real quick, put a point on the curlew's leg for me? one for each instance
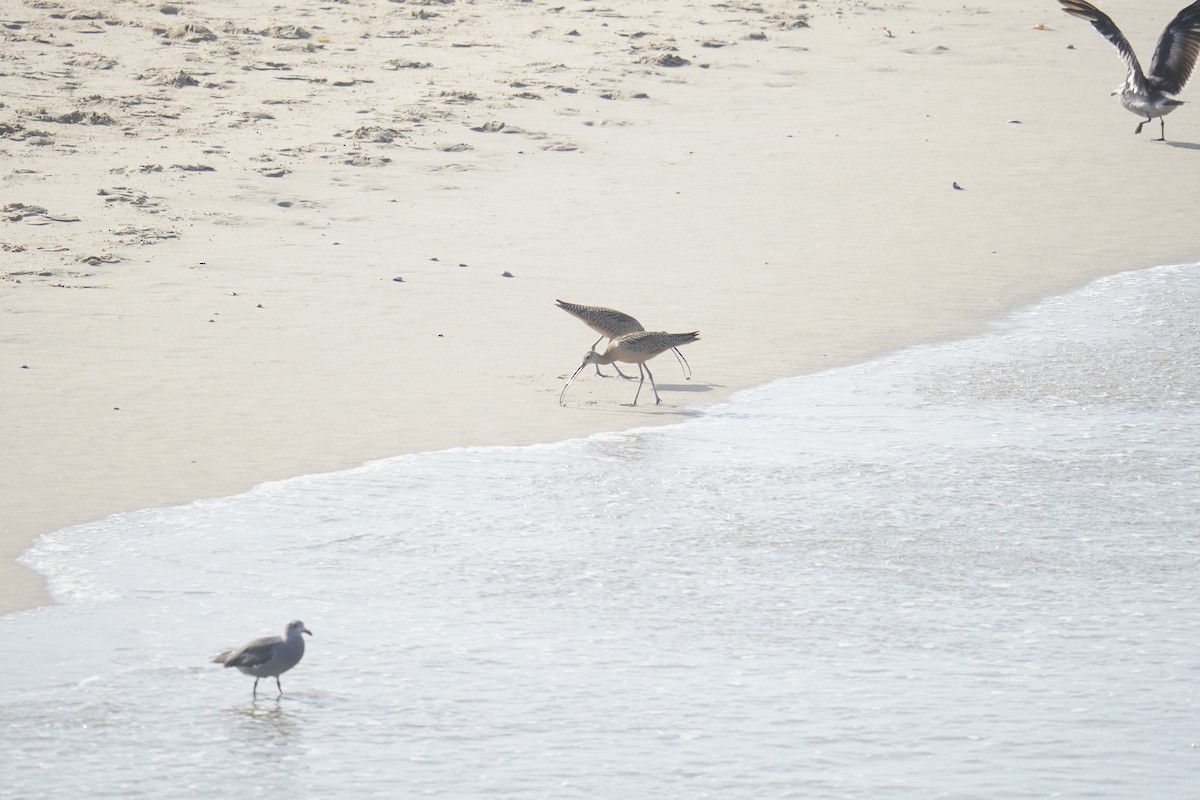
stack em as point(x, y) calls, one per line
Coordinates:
point(683, 362)
point(657, 399)
point(640, 382)
point(618, 369)
point(598, 372)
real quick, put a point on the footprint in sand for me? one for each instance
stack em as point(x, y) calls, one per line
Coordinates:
point(936, 50)
point(32, 215)
point(188, 32)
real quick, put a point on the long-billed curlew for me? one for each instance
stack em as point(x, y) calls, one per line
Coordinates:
point(1170, 68)
point(270, 656)
point(610, 323)
point(634, 348)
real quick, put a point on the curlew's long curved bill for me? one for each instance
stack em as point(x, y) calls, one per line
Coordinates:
point(562, 397)
point(683, 362)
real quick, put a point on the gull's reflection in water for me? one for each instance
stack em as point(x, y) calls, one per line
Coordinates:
point(264, 747)
point(266, 724)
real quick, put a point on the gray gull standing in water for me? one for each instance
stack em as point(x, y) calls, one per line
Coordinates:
point(270, 656)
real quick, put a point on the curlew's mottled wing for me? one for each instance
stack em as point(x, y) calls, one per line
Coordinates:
point(1177, 50)
point(1104, 24)
point(651, 343)
point(605, 321)
point(251, 654)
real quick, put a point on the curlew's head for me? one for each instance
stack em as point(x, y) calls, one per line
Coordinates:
point(590, 357)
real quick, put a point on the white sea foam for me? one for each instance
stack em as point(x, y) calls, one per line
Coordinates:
point(967, 570)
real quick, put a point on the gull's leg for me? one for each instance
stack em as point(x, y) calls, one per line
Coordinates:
point(279, 685)
point(254, 692)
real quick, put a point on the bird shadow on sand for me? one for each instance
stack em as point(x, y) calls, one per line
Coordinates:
point(674, 388)
point(690, 386)
point(1184, 145)
point(666, 408)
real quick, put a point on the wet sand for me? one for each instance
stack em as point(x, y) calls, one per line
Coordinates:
point(237, 248)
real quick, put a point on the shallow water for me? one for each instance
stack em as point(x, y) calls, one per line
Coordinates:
point(966, 570)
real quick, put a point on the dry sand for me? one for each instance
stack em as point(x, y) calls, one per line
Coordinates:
point(207, 211)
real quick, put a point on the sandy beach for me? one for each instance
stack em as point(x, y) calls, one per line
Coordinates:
point(237, 247)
